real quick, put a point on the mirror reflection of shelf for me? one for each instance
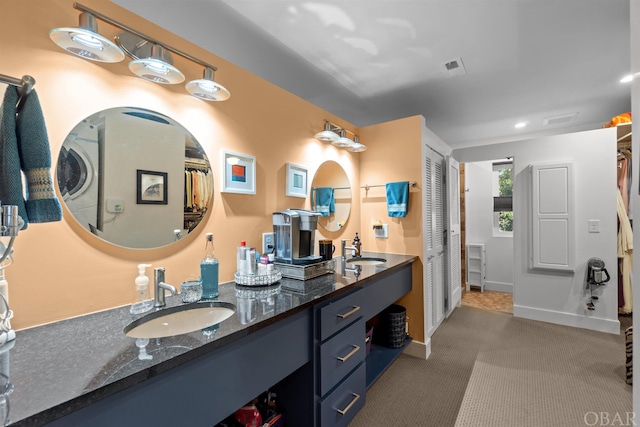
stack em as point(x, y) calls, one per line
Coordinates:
point(624, 135)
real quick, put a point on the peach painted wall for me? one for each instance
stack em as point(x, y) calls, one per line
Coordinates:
point(61, 270)
point(395, 154)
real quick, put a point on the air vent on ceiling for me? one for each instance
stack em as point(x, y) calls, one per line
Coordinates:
point(556, 120)
point(454, 67)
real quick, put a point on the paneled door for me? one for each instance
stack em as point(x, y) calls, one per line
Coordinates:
point(436, 296)
point(453, 236)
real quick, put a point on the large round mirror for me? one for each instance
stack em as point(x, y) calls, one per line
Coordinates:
point(134, 177)
point(331, 195)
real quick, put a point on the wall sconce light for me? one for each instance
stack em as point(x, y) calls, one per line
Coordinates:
point(328, 134)
point(337, 136)
point(151, 59)
point(356, 147)
point(343, 141)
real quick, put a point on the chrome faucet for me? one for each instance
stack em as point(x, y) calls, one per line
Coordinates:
point(344, 248)
point(160, 286)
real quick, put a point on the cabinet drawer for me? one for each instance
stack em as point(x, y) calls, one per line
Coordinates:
point(341, 354)
point(341, 405)
point(339, 313)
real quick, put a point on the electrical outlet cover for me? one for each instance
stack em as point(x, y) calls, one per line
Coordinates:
point(268, 242)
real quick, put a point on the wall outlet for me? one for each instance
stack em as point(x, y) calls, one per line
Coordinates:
point(268, 242)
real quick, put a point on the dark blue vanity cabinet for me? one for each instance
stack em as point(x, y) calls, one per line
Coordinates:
point(313, 356)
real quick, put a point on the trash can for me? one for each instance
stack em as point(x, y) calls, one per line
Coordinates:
point(392, 324)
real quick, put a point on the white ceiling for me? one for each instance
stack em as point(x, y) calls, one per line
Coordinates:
point(371, 61)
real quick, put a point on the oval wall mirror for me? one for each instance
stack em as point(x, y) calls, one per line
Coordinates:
point(134, 177)
point(331, 195)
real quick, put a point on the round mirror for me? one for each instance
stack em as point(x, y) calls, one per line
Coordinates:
point(134, 177)
point(331, 195)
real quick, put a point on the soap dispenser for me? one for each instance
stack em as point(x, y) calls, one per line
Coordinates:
point(143, 301)
point(209, 267)
point(357, 245)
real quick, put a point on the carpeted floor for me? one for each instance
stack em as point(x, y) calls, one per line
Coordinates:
point(490, 369)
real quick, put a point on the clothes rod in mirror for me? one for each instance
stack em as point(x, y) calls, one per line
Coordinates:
point(151, 58)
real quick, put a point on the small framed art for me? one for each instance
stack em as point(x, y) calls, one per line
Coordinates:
point(239, 173)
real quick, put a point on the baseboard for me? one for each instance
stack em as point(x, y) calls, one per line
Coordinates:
point(498, 287)
point(567, 319)
point(418, 349)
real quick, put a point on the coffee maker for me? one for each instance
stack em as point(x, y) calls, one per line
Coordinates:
point(294, 232)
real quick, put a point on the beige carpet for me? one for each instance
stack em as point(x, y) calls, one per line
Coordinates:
point(491, 369)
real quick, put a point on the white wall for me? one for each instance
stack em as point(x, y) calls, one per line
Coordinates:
point(560, 297)
point(479, 227)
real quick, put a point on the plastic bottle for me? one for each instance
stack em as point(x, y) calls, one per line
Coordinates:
point(143, 301)
point(241, 260)
point(209, 268)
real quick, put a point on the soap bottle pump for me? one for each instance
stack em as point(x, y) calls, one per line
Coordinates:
point(143, 301)
point(209, 268)
point(357, 245)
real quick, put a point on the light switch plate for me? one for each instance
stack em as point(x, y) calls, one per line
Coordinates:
point(383, 232)
point(594, 226)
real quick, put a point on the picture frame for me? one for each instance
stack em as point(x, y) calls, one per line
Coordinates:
point(297, 181)
point(238, 173)
point(151, 187)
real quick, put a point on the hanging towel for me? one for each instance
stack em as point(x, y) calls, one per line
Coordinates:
point(35, 161)
point(10, 176)
point(398, 199)
point(325, 202)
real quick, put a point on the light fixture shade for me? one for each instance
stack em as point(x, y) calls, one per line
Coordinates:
point(356, 147)
point(343, 141)
point(327, 135)
point(85, 41)
point(207, 88)
point(157, 68)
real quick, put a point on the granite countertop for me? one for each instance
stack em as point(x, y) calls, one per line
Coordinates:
point(55, 369)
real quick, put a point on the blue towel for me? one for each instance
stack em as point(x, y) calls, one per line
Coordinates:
point(325, 202)
point(35, 161)
point(398, 199)
point(10, 176)
point(24, 145)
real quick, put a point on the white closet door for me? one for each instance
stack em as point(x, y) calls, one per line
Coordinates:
point(453, 233)
point(553, 217)
point(433, 210)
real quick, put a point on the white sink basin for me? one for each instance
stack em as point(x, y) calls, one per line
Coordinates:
point(366, 261)
point(179, 320)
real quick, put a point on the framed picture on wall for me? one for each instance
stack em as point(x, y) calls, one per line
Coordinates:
point(238, 173)
point(296, 182)
point(151, 188)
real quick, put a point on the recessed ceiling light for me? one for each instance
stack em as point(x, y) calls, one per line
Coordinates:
point(520, 125)
point(627, 78)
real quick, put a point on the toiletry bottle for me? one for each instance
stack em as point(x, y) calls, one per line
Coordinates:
point(357, 245)
point(241, 260)
point(209, 271)
point(143, 297)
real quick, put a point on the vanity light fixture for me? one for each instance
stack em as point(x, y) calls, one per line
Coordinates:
point(86, 42)
point(151, 59)
point(328, 134)
point(337, 136)
point(207, 88)
point(343, 141)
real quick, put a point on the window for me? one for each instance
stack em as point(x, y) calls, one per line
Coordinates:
point(502, 200)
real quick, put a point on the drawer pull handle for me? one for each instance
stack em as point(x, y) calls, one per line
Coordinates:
point(353, 351)
point(349, 313)
point(353, 401)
